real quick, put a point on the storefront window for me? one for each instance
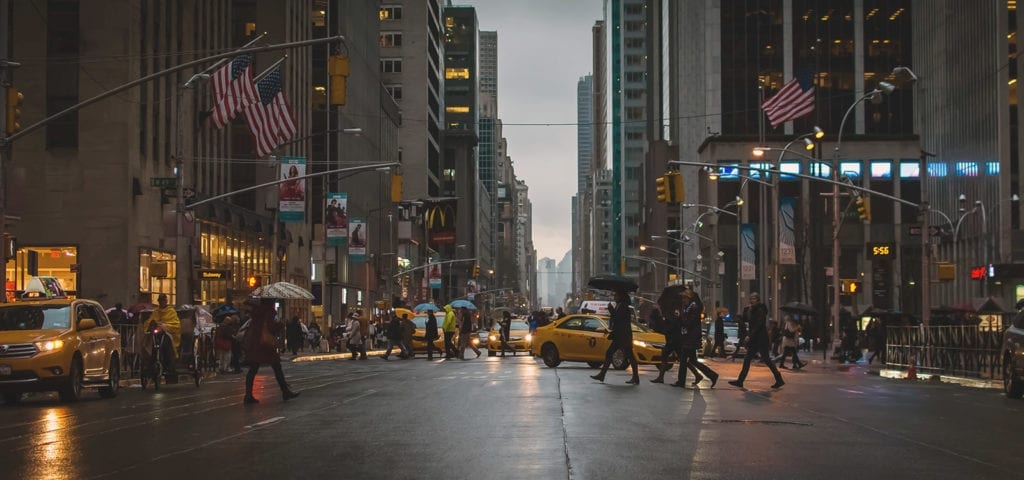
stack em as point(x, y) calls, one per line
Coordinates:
point(157, 274)
point(59, 261)
point(239, 254)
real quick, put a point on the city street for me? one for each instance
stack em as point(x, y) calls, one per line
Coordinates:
point(515, 418)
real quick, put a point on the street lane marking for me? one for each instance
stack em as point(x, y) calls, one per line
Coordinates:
point(265, 422)
point(357, 397)
point(858, 392)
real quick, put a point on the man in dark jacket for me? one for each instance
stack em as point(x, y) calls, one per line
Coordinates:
point(621, 337)
point(431, 334)
point(689, 341)
point(394, 334)
point(756, 316)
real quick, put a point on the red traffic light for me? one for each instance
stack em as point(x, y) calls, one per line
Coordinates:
point(253, 281)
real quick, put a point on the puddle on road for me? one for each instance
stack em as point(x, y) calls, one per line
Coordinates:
point(758, 422)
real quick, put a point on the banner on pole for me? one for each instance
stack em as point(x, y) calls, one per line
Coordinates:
point(357, 240)
point(291, 199)
point(434, 274)
point(336, 213)
point(748, 252)
point(787, 237)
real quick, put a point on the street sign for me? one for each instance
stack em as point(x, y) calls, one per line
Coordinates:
point(933, 230)
point(163, 182)
point(214, 274)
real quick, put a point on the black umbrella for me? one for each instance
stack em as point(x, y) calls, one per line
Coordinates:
point(613, 282)
point(671, 298)
point(798, 308)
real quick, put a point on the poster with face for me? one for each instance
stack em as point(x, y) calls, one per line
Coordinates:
point(357, 240)
point(292, 191)
point(336, 218)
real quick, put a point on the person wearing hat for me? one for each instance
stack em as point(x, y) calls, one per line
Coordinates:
point(756, 316)
point(621, 337)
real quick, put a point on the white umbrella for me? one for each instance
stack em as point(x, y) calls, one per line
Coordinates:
point(283, 291)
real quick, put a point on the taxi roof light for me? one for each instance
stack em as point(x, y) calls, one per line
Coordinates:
point(43, 288)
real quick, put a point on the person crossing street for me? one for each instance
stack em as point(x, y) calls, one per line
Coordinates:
point(757, 341)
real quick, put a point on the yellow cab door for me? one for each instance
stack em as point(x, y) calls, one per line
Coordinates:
point(566, 337)
point(594, 339)
point(92, 340)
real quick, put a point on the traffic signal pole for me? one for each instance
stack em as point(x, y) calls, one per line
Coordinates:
point(6, 78)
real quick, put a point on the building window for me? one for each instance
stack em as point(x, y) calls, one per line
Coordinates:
point(634, 76)
point(391, 12)
point(390, 39)
point(634, 94)
point(456, 109)
point(59, 262)
point(395, 91)
point(391, 65)
point(635, 113)
point(634, 9)
point(634, 60)
point(634, 42)
point(157, 273)
point(319, 17)
point(62, 46)
point(452, 73)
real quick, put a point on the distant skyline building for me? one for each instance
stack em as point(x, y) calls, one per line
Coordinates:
point(581, 202)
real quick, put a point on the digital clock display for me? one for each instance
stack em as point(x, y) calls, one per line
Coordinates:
point(880, 250)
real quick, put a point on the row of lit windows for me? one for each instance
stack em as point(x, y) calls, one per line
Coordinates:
point(456, 73)
point(881, 169)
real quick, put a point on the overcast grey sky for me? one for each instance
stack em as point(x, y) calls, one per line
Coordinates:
point(544, 47)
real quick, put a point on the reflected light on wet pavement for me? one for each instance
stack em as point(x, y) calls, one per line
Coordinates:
point(54, 456)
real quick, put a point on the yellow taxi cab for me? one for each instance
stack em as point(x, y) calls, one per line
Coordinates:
point(51, 342)
point(584, 338)
point(518, 333)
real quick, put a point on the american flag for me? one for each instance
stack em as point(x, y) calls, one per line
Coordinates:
point(794, 100)
point(270, 119)
point(232, 90)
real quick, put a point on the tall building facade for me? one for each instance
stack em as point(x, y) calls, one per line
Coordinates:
point(598, 232)
point(489, 141)
point(582, 203)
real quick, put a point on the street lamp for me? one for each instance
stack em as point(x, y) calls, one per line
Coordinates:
point(875, 95)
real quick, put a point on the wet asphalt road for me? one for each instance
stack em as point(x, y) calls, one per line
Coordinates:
point(515, 418)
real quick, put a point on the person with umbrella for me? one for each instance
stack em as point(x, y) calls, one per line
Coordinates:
point(689, 340)
point(621, 337)
point(791, 331)
point(756, 316)
point(260, 347)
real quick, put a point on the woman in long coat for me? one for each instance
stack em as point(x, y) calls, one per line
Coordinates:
point(621, 337)
point(260, 346)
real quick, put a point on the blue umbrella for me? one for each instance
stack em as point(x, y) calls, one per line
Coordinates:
point(426, 307)
point(463, 303)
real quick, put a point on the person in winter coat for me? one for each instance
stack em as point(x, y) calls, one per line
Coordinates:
point(354, 336)
point(621, 337)
point(431, 334)
point(223, 340)
point(260, 347)
point(791, 331)
point(408, 330)
point(294, 335)
point(756, 316)
point(466, 331)
point(394, 334)
point(689, 341)
point(449, 327)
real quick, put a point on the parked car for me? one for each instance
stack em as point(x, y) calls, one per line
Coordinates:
point(1013, 357)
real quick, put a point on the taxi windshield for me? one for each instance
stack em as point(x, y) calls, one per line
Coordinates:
point(518, 326)
point(35, 317)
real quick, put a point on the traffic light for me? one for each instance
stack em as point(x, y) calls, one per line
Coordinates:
point(863, 209)
point(662, 188)
point(337, 69)
point(10, 247)
point(14, 101)
point(676, 184)
point(476, 270)
point(253, 281)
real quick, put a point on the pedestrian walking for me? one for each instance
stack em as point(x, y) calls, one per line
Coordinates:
point(670, 326)
point(408, 330)
point(449, 327)
point(791, 331)
point(354, 336)
point(505, 333)
point(621, 337)
point(756, 316)
point(466, 330)
point(260, 347)
point(719, 348)
point(431, 334)
point(364, 333)
point(741, 334)
point(294, 335)
point(223, 341)
point(394, 334)
point(688, 342)
point(876, 340)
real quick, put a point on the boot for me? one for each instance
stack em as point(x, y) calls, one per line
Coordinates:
point(634, 381)
point(249, 399)
point(714, 380)
point(288, 394)
point(599, 377)
point(699, 378)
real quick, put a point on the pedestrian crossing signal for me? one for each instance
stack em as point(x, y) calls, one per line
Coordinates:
point(253, 281)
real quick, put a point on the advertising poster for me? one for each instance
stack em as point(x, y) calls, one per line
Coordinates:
point(336, 216)
point(439, 217)
point(291, 199)
point(434, 275)
point(357, 240)
point(787, 237)
point(748, 252)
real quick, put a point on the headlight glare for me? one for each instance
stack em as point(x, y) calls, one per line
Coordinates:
point(639, 343)
point(50, 345)
point(528, 337)
point(493, 338)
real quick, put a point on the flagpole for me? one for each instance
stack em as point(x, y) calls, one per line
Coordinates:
point(221, 61)
point(269, 69)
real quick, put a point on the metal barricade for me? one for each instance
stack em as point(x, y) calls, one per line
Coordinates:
point(958, 350)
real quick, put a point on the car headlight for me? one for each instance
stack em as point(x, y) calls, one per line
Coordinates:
point(493, 338)
point(639, 343)
point(50, 346)
point(476, 341)
point(528, 337)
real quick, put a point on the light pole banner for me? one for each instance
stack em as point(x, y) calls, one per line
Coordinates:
point(434, 274)
point(787, 244)
point(336, 216)
point(357, 240)
point(748, 252)
point(291, 199)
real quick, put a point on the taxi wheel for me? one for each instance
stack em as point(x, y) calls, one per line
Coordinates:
point(619, 360)
point(549, 352)
point(113, 380)
point(72, 390)
point(1012, 385)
